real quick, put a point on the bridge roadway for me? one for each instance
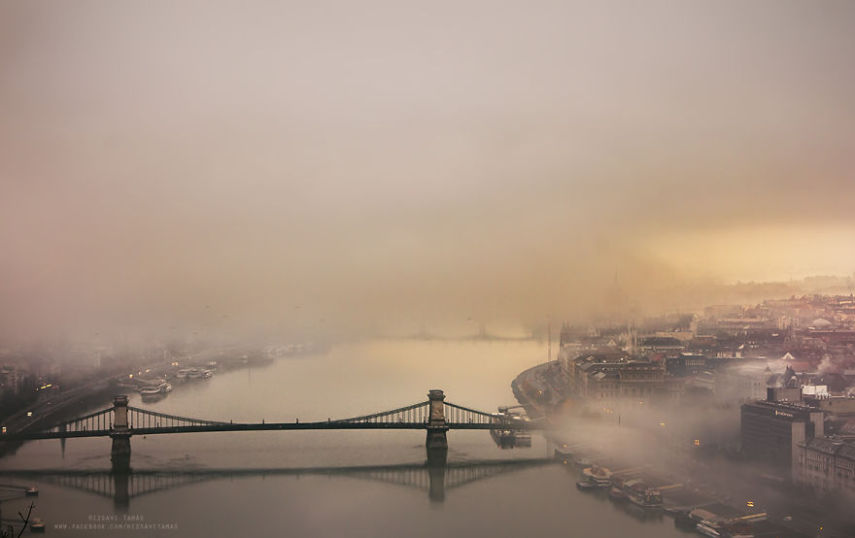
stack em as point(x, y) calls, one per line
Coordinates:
point(266, 426)
point(121, 422)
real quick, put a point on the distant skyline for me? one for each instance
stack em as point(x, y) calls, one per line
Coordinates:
point(376, 164)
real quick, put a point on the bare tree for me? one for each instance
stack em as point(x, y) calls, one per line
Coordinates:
point(9, 532)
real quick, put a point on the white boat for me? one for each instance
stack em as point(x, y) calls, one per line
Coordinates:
point(152, 394)
point(194, 373)
point(37, 525)
point(599, 476)
point(708, 529)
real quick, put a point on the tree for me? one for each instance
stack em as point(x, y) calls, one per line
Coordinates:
point(9, 532)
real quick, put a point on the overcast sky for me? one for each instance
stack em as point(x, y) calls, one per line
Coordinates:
point(392, 163)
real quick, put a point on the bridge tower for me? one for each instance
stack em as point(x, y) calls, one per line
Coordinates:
point(120, 433)
point(436, 426)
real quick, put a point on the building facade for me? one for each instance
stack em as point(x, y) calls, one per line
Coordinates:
point(772, 431)
point(826, 465)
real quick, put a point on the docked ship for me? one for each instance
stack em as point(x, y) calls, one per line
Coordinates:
point(718, 523)
point(194, 373)
point(151, 394)
point(509, 437)
point(642, 495)
point(600, 477)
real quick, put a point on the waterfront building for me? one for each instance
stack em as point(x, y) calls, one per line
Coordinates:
point(612, 376)
point(772, 430)
point(826, 465)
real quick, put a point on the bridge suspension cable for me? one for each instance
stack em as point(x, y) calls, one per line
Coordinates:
point(143, 418)
point(458, 414)
point(97, 421)
point(417, 413)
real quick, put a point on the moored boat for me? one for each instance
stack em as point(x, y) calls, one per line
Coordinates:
point(194, 373)
point(37, 525)
point(642, 495)
point(616, 494)
point(707, 528)
point(599, 476)
point(152, 394)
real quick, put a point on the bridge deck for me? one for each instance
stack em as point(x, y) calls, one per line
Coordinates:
point(269, 426)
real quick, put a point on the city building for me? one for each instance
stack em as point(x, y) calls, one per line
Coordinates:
point(612, 376)
point(10, 381)
point(826, 465)
point(771, 431)
point(784, 387)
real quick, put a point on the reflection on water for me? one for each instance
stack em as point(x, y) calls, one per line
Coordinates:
point(329, 483)
point(434, 477)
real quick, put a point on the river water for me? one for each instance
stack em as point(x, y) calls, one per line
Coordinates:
point(350, 380)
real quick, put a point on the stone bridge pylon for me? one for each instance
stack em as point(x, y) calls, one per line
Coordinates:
point(120, 433)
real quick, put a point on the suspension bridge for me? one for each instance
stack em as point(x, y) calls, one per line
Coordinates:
point(121, 421)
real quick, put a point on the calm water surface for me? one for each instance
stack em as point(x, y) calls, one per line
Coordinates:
point(350, 380)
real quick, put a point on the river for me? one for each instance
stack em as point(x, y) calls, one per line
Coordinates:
point(350, 380)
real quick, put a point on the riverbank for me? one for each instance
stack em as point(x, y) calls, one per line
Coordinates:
point(542, 389)
point(55, 406)
point(688, 479)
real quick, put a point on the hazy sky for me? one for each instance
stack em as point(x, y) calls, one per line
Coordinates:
point(171, 163)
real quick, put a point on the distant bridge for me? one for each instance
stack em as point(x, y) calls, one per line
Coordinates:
point(122, 421)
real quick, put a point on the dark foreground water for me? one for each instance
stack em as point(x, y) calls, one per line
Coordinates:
point(327, 483)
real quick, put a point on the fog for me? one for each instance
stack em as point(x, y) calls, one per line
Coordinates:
point(378, 167)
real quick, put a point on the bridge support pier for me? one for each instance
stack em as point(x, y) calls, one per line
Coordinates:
point(436, 427)
point(436, 439)
point(120, 455)
point(120, 433)
point(436, 445)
